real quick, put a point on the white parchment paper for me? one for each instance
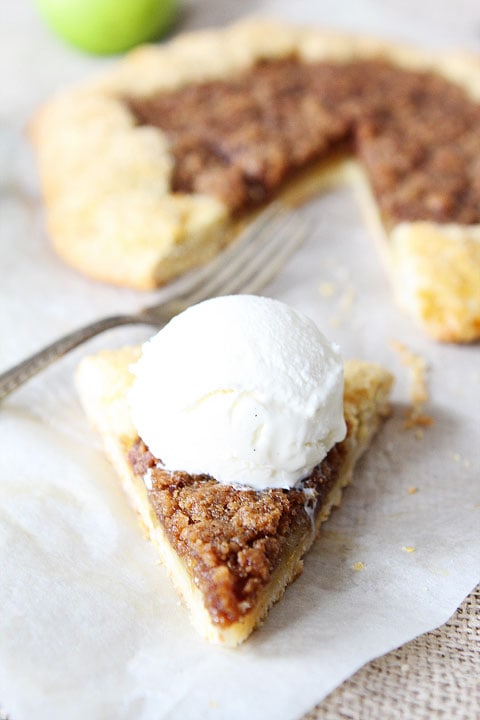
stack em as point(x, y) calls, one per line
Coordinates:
point(90, 626)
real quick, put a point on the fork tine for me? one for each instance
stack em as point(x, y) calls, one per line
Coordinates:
point(230, 254)
point(257, 256)
point(260, 277)
point(255, 246)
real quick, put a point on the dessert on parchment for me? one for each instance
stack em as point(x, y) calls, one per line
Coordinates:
point(233, 433)
point(146, 169)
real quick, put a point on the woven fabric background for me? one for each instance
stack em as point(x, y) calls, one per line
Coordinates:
point(437, 675)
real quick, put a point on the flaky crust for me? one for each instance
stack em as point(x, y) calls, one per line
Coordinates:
point(106, 181)
point(437, 277)
point(103, 381)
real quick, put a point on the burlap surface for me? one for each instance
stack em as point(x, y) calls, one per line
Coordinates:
point(437, 675)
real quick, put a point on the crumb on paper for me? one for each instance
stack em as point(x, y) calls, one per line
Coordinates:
point(408, 548)
point(345, 304)
point(327, 289)
point(418, 393)
point(456, 457)
point(412, 490)
point(414, 419)
point(359, 566)
point(419, 433)
point(346, 301)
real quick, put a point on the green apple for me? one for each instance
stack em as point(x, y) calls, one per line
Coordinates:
point(108, 26)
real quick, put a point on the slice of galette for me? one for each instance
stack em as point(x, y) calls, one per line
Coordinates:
point(230, 551)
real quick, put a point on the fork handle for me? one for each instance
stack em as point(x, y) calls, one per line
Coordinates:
point(11, 379)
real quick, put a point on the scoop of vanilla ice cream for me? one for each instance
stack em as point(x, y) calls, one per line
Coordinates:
point(242, 388)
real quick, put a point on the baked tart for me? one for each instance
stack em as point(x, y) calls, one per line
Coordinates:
point(231, 549)
point(147, 169)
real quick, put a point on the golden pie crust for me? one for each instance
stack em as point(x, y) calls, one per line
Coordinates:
point(103, 381)
point(106, 180)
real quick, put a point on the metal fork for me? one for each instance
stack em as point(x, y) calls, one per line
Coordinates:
point(255, 258)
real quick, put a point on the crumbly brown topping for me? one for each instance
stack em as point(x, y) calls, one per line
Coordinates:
point(232, 539)
point(415, 132)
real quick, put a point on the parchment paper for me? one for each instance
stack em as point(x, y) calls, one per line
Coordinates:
point(90, 626)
